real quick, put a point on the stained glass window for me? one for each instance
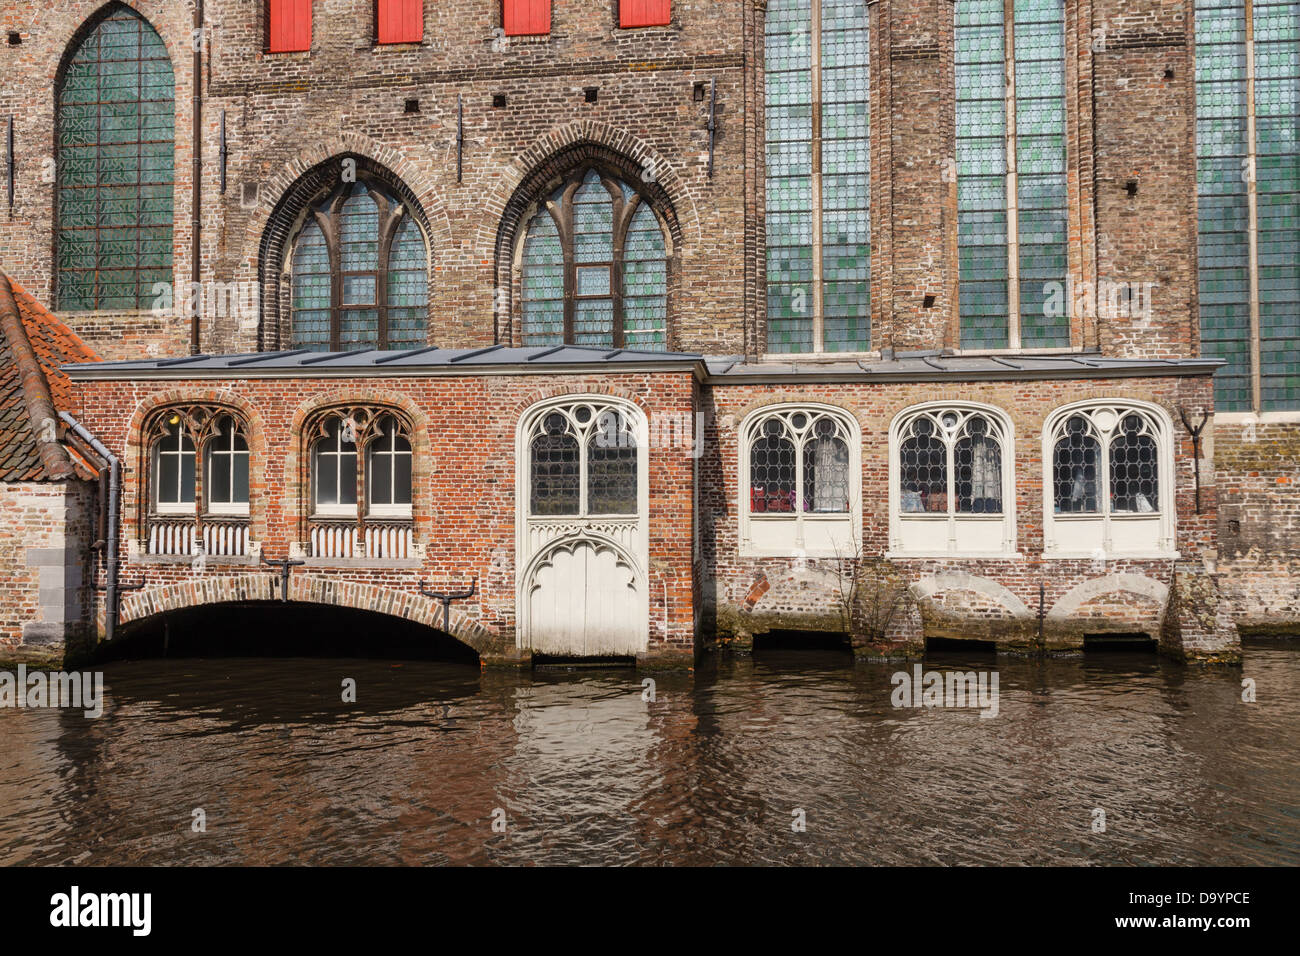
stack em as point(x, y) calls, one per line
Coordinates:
point(1231, 37)
point(595, 268)
point(360, 276)
point(995, 312)
point(116, 141)
point(1277, 147)
point(818, 144)
point(1223, 211)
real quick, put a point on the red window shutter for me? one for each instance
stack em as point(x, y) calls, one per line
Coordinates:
point(526, 17)
point(644, 13)
point(401, 21)
point(288, 26)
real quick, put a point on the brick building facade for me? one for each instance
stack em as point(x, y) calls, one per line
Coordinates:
point(841, 215)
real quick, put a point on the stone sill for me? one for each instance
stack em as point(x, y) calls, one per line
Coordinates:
point(1111, 556)
point(218, 560)
point(954, 556)
point(391, 564)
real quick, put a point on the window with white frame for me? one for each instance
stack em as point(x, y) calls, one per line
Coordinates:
point(952, 483)
point(227, 470)
point(799, 481)
point(565, 480)
point(1110, 481)
point(174, 463)
point(388, 464)
point(388, 471)
point(334, 470)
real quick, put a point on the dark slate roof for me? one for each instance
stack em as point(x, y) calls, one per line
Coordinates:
point(723, 370)
point(54, 345)
point(302, 363)
point(938, 366)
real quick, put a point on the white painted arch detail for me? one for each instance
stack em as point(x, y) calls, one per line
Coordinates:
point(926, 588)
point(581, 583)
point(799, 534)
point(1092, 589)
point(953, 534)
point(1103, 534)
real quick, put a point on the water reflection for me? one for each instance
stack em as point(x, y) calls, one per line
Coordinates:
point(587, 770)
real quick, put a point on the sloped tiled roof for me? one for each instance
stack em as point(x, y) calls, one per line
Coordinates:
point(23, 456)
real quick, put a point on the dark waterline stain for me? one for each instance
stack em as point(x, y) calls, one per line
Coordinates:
point(711, 771)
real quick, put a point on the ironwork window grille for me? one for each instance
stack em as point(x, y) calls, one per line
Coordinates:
point(818, 205)
point(799, 464)
point(360, 273)
point(1108, 447)
point(1247, 111)
point(950, 463)
point(583, 460)
point(115, 119)
point(595, 268)
point(1012, 202)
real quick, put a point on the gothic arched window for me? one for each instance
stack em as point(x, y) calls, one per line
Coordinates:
point(1110, 484)
point(595, 268)
point(799, 481)
point(198, 483)
point(360, 276)
point(952, 481)
point(115, 117)
point(565, 481)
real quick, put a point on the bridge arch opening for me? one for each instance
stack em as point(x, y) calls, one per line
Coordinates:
point(282, 629)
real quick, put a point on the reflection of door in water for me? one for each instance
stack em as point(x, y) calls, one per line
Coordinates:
point(583, 601)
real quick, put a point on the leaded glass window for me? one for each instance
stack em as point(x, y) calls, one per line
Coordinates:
point(595, 268)
point(799, 463)
point(1238, 41)
point(950, 463)
point(1011, 191)
point(818, 205)
point(359, 273)
point(584, 459)
point(115, 136)
point(1107, 448)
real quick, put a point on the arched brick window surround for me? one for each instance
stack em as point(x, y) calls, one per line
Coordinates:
point(540, 183)
point(285, 221)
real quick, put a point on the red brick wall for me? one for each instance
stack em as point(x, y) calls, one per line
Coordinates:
point(805, 589)
point(464, 485)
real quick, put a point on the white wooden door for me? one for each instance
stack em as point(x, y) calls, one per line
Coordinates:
point(583, 601)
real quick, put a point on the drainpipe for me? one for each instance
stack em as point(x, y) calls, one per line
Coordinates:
point(196, 228)
point(111, 590)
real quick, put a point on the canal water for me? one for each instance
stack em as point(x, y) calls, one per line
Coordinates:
point(787, 758)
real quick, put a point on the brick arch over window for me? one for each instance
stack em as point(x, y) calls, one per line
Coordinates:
point(200, 412)
point(540, 184)
point(276, 246)
point(367, 408)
